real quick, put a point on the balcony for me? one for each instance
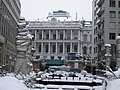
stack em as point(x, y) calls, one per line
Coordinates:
point(99, 21)
point(99, 2)
point(100, 31)
point(100, 42)
point(100, 11)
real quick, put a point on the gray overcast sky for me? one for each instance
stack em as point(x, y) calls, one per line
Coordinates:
point(34, 9)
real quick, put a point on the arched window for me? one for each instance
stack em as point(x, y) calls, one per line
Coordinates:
point(84, 50)
point(75, 48)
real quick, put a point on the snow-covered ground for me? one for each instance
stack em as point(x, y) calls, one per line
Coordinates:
point(114, 85)
point(9, 82)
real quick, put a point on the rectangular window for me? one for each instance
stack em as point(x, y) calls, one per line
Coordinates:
point(118, 34)
point(90, 38)
point(61, 37)
point(112, 36)
point(39, 48)
point(85, 37)
point(54, 36)
point(112, 25)
point(40, 36)
point(47, 36)
point(112, 3)
point(118, 25)
point(112, 14)
point(119, 4)
point(119, 15)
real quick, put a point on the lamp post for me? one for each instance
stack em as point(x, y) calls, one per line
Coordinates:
point(107, 55)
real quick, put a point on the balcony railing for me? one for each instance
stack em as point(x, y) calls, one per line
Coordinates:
point(99, 21)
point(100, 31)
point(100, 11)
point(100, 42)
point(99, 2)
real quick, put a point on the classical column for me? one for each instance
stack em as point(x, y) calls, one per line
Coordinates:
point(35, 34)
point(56, 34)
point(35, 39)
point(42, 48)
point(64, 34)
point(78, 34)
point(56, 48)
point(81, 36)
point(49, 48)
point(70, 47)
point(63, 48)
point(42, 34)
point(49, 34)
point(71, 35)
point(78, 48)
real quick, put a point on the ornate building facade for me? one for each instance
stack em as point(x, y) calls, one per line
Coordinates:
point(59, 35)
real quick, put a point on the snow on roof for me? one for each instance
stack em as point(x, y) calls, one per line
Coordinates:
point(33, 49)
point(26, 43)
point(117, 73)
point(30, 64)
point(30, 36)
point(23, 33)
point(38, 85)
point(67, 87)
point(22, 17)
point(21, 24)
point(109, 45)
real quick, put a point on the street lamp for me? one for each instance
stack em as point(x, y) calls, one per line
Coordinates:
point(107, 55)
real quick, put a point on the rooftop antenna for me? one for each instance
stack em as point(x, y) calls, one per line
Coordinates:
point(76, 16)
point(82, 18)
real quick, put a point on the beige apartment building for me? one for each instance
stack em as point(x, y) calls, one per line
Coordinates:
point(106, 26)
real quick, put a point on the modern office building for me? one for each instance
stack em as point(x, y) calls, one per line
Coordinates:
point(59, 35)
point(106, 26)
point(9, 18)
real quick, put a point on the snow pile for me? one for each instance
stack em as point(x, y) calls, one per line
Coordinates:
point(11, 83)
point(107, 45)
point(117, 73)
point(114, 85)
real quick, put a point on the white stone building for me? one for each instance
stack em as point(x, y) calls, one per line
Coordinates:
point(60, 34)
